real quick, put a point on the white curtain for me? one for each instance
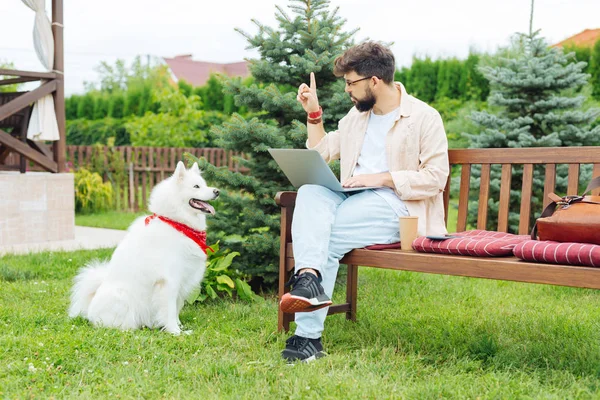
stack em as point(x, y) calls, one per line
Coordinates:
point(43, 124)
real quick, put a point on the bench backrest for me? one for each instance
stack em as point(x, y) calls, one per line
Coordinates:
point(527, 158)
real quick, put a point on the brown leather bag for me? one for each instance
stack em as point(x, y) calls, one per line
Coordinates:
point(571, 218)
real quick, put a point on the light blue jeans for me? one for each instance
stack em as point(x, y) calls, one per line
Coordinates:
point(326, 226)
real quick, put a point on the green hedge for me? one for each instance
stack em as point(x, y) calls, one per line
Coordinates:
point(99, 105)
point(432, 80)
point(591, 56)
point(88, 132)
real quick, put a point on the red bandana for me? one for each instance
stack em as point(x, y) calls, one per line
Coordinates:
point(197, 236)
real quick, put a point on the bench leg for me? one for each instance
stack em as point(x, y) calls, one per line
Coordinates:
point(351, 291)
point(286, 265)
point(283, 319)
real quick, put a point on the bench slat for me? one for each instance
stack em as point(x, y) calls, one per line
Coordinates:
point(502, 268)
point(484, 193)
point(539, 155)
point(526, 199)
point(550, 183)
point(504, 197)
point(463, 201)
point(573, 181)
point(595, 173)
point(339, 308)
point(447, 198)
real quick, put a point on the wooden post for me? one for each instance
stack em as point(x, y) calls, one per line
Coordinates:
point(131, 189)
point(59, 95)
point(352, 291)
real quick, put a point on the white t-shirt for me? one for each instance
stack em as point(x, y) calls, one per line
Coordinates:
point(373, 158)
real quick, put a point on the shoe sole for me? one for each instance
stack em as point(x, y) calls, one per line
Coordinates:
point(314, 357)
point(293, 304)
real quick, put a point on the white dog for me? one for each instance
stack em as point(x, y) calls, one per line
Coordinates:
point(157, 264)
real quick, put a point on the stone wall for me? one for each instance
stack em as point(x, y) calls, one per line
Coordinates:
point(36, 207)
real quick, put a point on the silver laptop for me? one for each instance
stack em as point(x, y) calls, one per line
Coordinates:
point(303, 166)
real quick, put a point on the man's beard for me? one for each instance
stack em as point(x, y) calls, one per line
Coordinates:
point(367, 103)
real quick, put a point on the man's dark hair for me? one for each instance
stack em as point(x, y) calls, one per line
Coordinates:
point(367, 59)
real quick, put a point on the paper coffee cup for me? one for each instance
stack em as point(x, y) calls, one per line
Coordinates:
point(408, 231)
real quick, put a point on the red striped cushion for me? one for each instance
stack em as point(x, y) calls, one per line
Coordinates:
point(492, 234)
point(383, 246)
point(431, 246)
point(476, 243)
point(545, 251)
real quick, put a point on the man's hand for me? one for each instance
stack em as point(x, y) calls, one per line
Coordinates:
point(382, 179)
point(307, 95)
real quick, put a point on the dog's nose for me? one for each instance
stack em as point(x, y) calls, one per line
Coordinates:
point(216, 192)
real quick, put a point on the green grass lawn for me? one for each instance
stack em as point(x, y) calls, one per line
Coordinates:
point(108, 219)
point(418, 336)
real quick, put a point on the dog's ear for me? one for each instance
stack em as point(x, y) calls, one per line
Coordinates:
point(180, 170)
point(195, 169)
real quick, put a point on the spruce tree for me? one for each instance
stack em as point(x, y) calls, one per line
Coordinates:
point(308, 40)
point(534, 105)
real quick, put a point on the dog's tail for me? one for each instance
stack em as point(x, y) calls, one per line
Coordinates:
point(87, 282)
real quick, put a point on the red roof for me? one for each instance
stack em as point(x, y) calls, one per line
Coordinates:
point(586, 38)
point(197, 73)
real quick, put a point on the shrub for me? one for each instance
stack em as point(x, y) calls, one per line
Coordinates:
point(180, 122)
point(220, 280)
point(91, 194)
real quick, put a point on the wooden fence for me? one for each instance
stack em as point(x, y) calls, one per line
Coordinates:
point(133, 171)
point(159, 160)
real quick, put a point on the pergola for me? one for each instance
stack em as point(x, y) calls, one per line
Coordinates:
point(52, 84)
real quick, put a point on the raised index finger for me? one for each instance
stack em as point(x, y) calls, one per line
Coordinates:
point(313, 83)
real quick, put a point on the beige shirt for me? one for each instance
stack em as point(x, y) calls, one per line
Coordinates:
point(417, 154)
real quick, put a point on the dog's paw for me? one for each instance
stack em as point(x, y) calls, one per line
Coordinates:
point(175, 331)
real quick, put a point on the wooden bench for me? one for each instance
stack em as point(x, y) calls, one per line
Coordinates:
point(502, 268)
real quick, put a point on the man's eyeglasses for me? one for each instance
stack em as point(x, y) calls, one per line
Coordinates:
point(350, 83)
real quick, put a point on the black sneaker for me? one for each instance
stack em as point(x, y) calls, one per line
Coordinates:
point(298, 348)
point(306, 295)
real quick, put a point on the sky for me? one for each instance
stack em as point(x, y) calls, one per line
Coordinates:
point(111, 29)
